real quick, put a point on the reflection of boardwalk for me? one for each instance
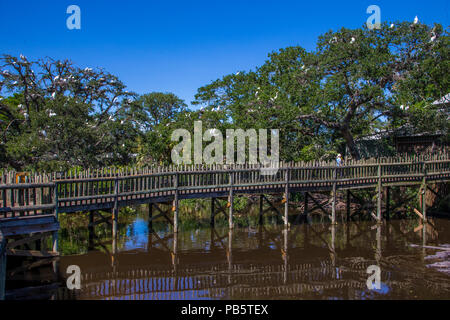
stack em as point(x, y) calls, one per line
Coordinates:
point(218, 282)
point(309, 261)
point(214, 281)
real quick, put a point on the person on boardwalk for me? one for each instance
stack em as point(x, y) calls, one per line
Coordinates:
point(339, 160)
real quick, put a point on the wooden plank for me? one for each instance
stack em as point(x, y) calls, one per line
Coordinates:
point(31, 253)
point(418, 213)
point(24, 221)
point(20, 242)
point(41, 228)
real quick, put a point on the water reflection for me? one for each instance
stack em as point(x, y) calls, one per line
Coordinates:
point(306, 261)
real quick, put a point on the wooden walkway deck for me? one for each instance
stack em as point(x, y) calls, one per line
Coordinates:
point(110, 189)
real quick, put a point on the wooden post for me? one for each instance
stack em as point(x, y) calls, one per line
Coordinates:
point(305, 209)
point(285, 255)
point(230, 254)
point(175, 252)
point(333, 208)
point(230, 201)
point(150, 216)
point(261, 199)
point(115, 213)
point(348, 205)
point(175, 205)
point(378, 251)
point(91, 230)
point(2, 266)
point(424, 192)
point(333, 244)
point(212, 222)
point(388, 200)
point(379, 194)
point(286, 198)
point(55, 233)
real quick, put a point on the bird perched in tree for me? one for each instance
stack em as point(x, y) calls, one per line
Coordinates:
point(416, 20)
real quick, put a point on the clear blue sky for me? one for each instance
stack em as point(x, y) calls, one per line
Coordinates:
point(179, 46)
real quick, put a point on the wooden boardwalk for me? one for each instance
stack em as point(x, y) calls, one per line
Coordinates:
point(110, 189)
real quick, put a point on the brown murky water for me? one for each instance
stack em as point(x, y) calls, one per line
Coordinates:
point(310, 261)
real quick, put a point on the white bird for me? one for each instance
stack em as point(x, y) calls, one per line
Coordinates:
point(88, 69)
point(333, 40)
point(274, 98)
point(20, 106)
point(53, 95)
point(416, 20)
point(238, 73)
point(433, 38)
point(402, 107)
point(392, 26)
point(51, 114)
point(23, 57)
point(353, 40)
point(56, 78)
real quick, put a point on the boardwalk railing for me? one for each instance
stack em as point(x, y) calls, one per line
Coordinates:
point(34, 194)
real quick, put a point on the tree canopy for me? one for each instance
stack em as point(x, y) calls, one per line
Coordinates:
point(356, 82)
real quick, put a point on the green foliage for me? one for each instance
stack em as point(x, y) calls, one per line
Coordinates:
point(54, 115)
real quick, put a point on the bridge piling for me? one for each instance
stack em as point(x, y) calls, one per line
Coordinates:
point(379, 189)
point(347, 206)
point(333, 207)
point(261, 212)
point(212, 221)
point(175, 205)
point(115, 211)
point(230, 203)
point(150, 216)
point(424, 192)
point(55, 212)
point(388, 200)
point(3, 243)
point(286, 198)
point(305, 208)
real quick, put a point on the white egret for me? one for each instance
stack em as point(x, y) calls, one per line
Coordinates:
point(416, 20)
point(392, 26)
point(353, 40)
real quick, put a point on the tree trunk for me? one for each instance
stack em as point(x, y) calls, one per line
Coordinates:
point(351, 145)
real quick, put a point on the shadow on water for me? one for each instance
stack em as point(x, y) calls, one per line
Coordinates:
point(311, 260)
